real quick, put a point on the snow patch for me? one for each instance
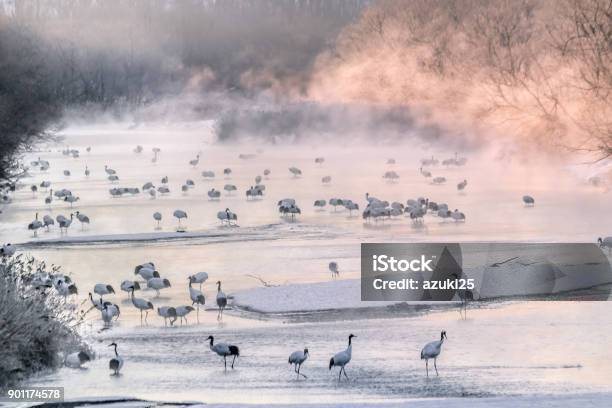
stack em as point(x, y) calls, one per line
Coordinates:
point(340, 294)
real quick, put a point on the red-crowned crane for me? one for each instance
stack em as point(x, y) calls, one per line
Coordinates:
point(182, 312)
point(432, 350)
point(342, 358)
point(77, 359)
point(224, 350)
point(142, 305)
point(103, 289)
point(157, 284)
point(199, 277)
point(197, 298)
point(221, 301)
point(115, 363)
point(297, 358)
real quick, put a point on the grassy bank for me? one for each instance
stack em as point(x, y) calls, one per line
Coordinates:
point(36, 325)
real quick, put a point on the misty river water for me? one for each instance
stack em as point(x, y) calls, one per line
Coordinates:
point(502, 349)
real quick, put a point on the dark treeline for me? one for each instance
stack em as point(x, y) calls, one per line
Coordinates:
point(27, 97)
point(146, 45)
point(116, 56)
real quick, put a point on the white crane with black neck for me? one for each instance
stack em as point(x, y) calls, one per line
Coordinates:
point(76, 359)
point(224, 350)
point(158, 284)
point(342, 358)
point(65, 289)
point(432, 350)
point(297, 358)
point(221, 301)
point(35, 225)
point(199, 277)
point(167, 312)
point(110, 311)
point(127, 284)
point(115, 363)
point(182, 312)
point(98, 304)
point(197, 298)
point(103, 289)
point(142, 305)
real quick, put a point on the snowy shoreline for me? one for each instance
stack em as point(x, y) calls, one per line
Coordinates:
point(343, 295)
point(218, 234)
point(137, 238)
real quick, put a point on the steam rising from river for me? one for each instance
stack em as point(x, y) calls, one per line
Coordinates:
point(445, 73)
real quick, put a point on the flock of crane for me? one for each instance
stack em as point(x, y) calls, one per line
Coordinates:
point(110, 312)
point(151, 277)
point(341, 359)
point(375, 209)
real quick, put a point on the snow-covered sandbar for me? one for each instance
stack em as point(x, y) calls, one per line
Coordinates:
point(339, 294)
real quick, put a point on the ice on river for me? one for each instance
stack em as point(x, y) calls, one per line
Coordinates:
point(342, 294)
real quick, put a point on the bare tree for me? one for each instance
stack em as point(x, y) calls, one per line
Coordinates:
point(587, 41)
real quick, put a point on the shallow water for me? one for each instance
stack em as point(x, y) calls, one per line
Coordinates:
point(513, 349)
point(564, 210)
point(509, 349)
